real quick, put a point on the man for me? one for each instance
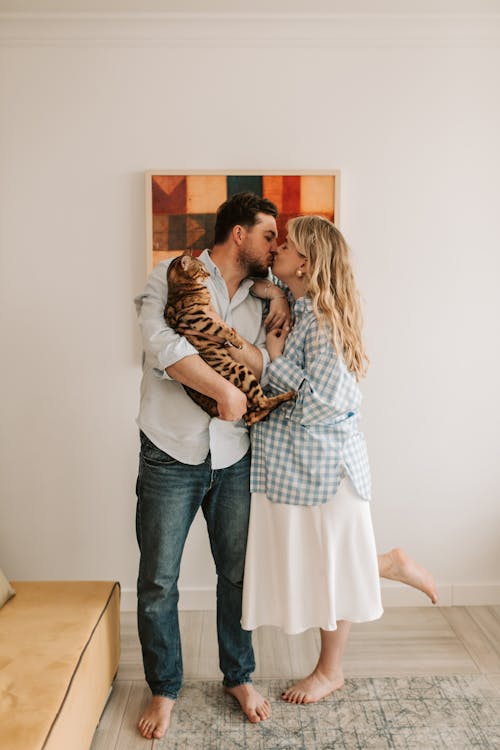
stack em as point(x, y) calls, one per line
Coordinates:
point(189, 460)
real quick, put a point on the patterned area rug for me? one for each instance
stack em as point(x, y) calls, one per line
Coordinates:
point(423, 713)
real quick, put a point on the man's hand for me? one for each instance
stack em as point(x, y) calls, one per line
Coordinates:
point(195, 373)
point(232, 403)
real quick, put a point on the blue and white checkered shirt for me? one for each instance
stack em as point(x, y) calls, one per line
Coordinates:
point(306, 447)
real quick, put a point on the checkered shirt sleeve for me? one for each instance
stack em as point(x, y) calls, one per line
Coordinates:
point(305, 448)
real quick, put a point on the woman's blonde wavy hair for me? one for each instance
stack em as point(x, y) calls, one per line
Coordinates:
point(330, 285)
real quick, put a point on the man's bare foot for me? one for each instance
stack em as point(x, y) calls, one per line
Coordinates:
point(156, 718)
point(255, 707)
point(398, 566)
point(313, 688)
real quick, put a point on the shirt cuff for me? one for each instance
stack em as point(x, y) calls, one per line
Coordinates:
point(172, 354)
point(264, 380)
point(284, 375)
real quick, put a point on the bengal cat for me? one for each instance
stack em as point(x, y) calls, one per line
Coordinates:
point(189, 312)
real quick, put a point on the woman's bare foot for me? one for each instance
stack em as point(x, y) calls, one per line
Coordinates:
point(156, 718)
point(313, 688)
point(398, 566)
point(255, 707)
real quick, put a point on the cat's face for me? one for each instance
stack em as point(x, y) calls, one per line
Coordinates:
point(188, 267)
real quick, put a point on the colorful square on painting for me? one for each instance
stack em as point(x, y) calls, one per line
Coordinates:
point(245, 184)
point(200, 231)
point(184, 207)
point(169, 194)
point(177, 235)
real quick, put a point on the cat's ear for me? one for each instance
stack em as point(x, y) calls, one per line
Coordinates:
point(185, 262)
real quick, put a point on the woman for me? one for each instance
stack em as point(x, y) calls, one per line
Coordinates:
point(311, 559)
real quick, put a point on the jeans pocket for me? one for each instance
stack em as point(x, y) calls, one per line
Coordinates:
point(153, 455)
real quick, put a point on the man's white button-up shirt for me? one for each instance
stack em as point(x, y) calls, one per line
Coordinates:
point(169, 418)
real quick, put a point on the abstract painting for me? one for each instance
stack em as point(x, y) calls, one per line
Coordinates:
point(181, 209)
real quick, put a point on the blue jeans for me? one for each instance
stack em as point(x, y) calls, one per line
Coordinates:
point(169, 494)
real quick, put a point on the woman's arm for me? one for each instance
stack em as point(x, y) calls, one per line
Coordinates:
point(250, 356)
point(317, 379)
point(279, 309)
point(275, 342)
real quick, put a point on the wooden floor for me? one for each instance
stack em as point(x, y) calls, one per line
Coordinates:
point(405, 641)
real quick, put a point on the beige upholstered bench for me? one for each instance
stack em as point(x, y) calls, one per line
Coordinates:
point(59, 653)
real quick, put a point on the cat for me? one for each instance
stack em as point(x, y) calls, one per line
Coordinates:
point(189, 312)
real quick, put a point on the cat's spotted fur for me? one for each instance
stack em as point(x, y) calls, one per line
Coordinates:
point(190, 313)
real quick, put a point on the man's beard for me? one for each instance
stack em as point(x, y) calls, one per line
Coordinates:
point(253, 267)
point(257, 271)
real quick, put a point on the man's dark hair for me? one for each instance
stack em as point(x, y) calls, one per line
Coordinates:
point(242, 209)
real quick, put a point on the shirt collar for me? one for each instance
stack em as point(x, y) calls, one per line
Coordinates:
point(215, 273)
point(207, 260)
point(303, 304)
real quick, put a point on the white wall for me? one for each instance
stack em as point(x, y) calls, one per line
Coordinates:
point(407, 109)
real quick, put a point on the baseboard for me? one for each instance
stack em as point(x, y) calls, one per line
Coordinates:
point(469, 594)
point(393, 595)
point(398, 595)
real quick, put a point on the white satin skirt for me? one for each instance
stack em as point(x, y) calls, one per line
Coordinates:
point(310, 566)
